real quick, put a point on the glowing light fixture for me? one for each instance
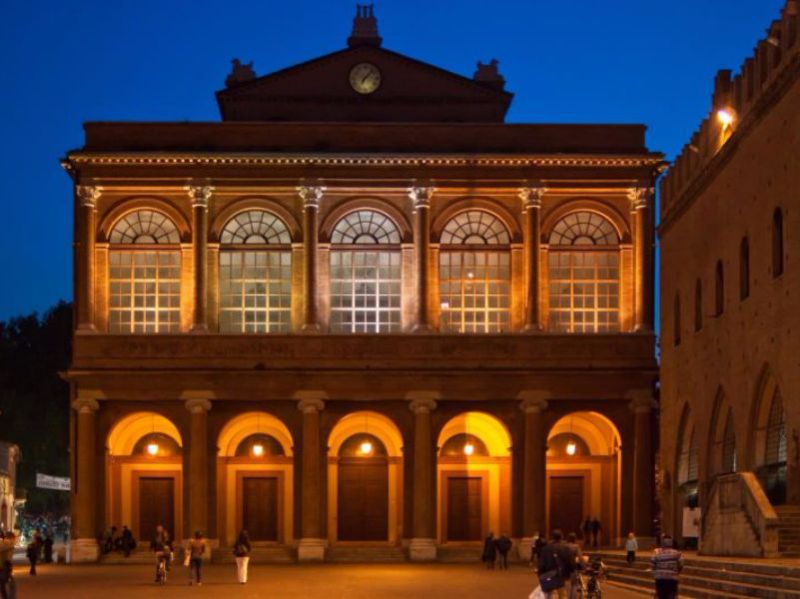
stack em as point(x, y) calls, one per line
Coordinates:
point(571, 448)
point(366, 447)
point(469, 449)
point(445, 305)
point(725, 117)
point(152, 448)
point(470, 275)
point(258, 450)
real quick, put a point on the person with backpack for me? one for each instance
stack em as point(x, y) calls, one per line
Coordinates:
point(241, 551)
point(556, 565)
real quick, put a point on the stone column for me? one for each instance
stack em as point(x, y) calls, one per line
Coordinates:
point(312, 544)
point(84, 480)
point(423, 543)
point(642, 405)
point(532, 204)
point(642, 257)
point(420, 199)
point(88, 196)
point(311, 196)
point(199, 195)
point(198, 403)
point(534, 483)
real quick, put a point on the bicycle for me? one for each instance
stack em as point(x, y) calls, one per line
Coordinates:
point(161, 569)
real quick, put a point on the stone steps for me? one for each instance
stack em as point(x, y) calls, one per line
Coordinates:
point(454, 554)
point(365, 554)
point(277, 554)
point(706, 578)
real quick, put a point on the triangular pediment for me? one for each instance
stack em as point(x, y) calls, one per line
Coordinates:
point(323, 90)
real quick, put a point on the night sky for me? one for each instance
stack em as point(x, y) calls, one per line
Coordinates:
point(619, 61)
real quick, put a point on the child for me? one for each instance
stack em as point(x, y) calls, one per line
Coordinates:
point(631, 546)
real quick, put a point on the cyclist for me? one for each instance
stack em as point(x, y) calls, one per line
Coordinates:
point(161, 545)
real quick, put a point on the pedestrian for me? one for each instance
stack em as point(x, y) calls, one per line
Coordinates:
point(161, 546)
point(126, 541)
point(241, 550)
point(196, 549)
point(577, 556)
point(538, 544)
point(556, 565)
point(586, 529)
point(503, 545)
point(534, 549)
point(631, 547)
point(6, 563)
point(47, 547)
point(596, 530)
point(32, 552)
point(667, 563)
point(489, 551)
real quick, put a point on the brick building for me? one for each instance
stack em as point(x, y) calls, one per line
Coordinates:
point(730, 378)
point(362, 311)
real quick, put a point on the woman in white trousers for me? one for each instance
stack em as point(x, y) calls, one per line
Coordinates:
point(241, 551)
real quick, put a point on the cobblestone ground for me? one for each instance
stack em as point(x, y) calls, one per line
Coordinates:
point(436, 581)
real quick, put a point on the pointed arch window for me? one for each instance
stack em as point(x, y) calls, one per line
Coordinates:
point(676, 334)
point(255, 274)
point(744, 268)
point(719, 289)
point(144, 274)
point(365, 274)
point(475, 274)
point(688, 460)
point(777, 242)
point(584, 277)
point(698, 305)
point(729, 445)
point(772, 472)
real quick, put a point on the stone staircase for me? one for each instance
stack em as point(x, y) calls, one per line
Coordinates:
point(449, 553)
point(270, 554)
point(140, 555)
point(711, 578)
point(789, 530)
point(365, 554)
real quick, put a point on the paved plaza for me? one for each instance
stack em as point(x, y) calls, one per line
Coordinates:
point(436, 581)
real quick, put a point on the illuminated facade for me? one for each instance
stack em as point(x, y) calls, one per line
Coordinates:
point(362, 311)
point(729, 407)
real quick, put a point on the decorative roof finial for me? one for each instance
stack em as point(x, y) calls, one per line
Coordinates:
point(489, 75)
point(365, 27)
point(240, 73)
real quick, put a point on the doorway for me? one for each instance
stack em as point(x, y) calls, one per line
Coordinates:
point(260, 508)
point(464, 513)
point(363, 500)
point(566, 503)
point(156, 505)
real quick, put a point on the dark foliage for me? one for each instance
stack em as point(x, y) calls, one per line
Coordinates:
point(34, 400)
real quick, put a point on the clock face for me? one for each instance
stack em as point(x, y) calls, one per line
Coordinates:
point(365, 78)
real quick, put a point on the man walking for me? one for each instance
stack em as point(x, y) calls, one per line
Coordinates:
point(556, 559)
point(667, 564)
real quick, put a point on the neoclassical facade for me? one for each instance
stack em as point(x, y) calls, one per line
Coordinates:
point(729, 405)
point(352, 316)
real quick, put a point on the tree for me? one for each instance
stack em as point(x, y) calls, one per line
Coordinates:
point(34, 400)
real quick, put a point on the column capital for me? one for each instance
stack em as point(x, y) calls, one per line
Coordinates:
point(533, 405)
point(641, 401)
point(640, 197)
point(311, 195)
point(200, 194)
point(420, 196)
point(532, 197)
point(422, 402)
point(533, 400)
point(85, 405)
point(89, 194)
point(198, 405)
point(310, 401)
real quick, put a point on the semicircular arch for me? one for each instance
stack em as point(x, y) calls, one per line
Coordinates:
point(486, 427)
point(365, 421)
point(127, 431)
point(238, 428)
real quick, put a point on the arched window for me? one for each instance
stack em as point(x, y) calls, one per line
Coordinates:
point(474, 274)
point(698, 305)
point(688, 460)
point(777, 243)
point(744, 268)
point(584, 274)
point(676, 333)
point(144, 274)
point(255, 274)
point(719, 289)
point(365, 274)
point(773, 471)
point(729, 445)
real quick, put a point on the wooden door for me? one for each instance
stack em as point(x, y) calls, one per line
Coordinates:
point(156, 506)
point(363, 499)
point(260, 508)
point(566, 503)
point(464, 513)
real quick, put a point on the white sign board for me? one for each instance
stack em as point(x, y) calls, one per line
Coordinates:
point(59, 483)
point(691, 522)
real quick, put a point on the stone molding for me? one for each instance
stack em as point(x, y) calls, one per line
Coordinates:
point(420, 196)
point(422, 402)
point(311, 195)
point(310, 401)
point(200, 195)
point(89, 194)
point(532, 197)
point(85, 405)
point(198, 405)
point(640, 197)
point(533, 400)
point(642, 401)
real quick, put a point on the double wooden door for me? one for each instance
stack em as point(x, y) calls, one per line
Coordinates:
point(363, 499)
point(464, 508)
point(260, 507)
point(156, 506)
point(566, 503)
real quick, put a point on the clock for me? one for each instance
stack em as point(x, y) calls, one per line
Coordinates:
point(365, 78)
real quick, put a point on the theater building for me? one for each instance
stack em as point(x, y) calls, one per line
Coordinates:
point(730, 410)
point(362, 313)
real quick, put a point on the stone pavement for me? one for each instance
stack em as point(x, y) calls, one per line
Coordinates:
point(329, 581)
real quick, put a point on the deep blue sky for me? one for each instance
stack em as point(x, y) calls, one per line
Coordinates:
point(566, 61)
